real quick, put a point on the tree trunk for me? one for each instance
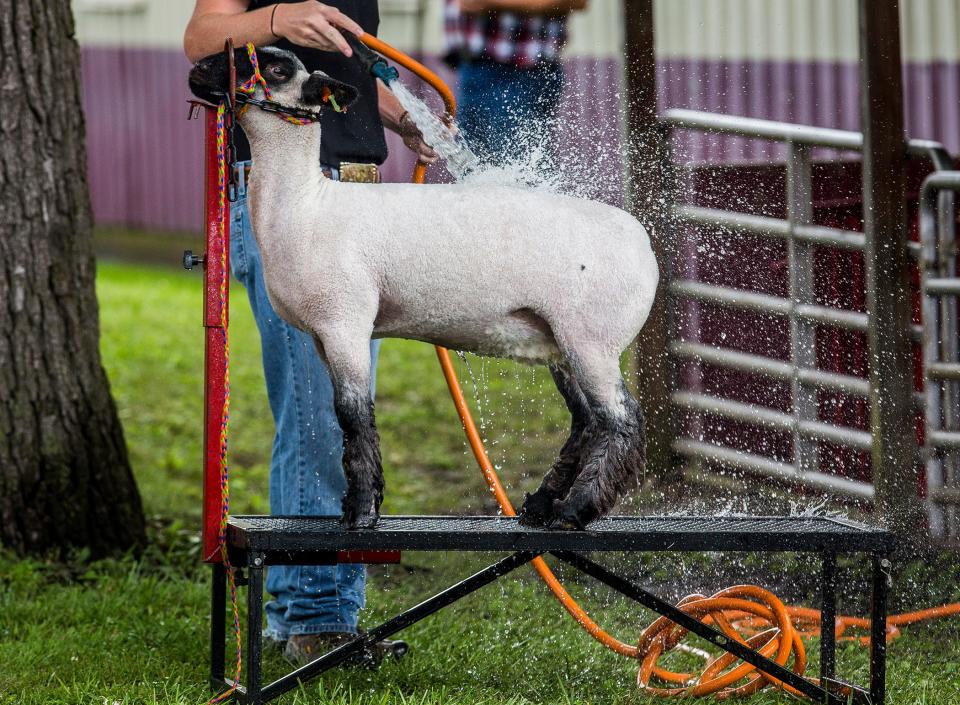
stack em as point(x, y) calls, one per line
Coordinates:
point(65, 477)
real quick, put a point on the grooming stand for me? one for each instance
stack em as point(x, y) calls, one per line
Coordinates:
point(255, 542)
point(258, 541)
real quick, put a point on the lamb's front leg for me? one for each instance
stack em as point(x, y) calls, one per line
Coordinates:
point(349, 363)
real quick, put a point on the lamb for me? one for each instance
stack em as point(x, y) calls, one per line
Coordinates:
point(537, 277)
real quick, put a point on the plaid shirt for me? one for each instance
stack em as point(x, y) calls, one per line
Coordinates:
point(505, 37)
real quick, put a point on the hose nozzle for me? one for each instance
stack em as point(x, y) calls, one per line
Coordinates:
point(371, 61)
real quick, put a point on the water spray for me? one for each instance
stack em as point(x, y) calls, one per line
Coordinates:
point(745, 613)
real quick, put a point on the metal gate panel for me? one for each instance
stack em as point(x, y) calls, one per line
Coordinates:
point(940, 291)
point(802, 436)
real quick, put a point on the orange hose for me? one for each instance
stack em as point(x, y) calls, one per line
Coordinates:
point(411, 64)
point(744, 607)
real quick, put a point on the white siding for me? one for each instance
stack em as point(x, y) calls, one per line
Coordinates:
point(798, 30)
point(136, 23)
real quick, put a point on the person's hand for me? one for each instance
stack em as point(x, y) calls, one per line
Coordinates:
point(315, 25)
point(413, 139)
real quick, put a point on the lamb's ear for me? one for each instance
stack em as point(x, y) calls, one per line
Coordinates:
point(210, 77)
point(319, 86)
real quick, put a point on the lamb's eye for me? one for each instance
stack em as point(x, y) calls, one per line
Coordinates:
point(278, 71)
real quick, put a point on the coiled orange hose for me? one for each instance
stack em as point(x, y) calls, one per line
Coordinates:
point(770, 625)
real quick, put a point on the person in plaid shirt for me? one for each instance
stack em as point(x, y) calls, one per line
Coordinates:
point(508, 55)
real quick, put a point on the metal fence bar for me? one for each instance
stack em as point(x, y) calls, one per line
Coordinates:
point(766, 303)
point(851, 320)
point(763, 129)
point(944, 439)
point(943, 287)
point(945, 495)
point(728, 296)
point(734, 410)
point(778, 369)
point(771, 468)
point(770, 418)
point(765, 226)
point(777, 131)
point(944, 371)
point(938, 285)
point(803, 340)
point(836, 382)
point(732, 359)
point(841, 435)
point(800, 309)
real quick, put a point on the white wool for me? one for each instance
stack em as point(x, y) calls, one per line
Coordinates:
point(501, 271)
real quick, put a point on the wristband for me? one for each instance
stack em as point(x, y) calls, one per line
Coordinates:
point(273, 12)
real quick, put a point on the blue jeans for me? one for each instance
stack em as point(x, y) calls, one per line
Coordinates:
point(505, 111)
point(306, 466)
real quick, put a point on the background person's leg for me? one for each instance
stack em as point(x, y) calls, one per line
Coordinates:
point(479, 108)
point(306, 472)
point(507, 113)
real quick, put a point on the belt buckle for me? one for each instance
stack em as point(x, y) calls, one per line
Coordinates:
point(359, 173)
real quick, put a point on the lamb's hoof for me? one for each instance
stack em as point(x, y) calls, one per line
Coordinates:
point(566, 518)
point(363, 521)
point(536, 510)
point(354, 517)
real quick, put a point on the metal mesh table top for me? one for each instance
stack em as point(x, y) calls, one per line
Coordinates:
point(619, 533)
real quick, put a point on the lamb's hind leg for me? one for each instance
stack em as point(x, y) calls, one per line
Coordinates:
point(349, 364)
point(537, 508)
point(614, 454)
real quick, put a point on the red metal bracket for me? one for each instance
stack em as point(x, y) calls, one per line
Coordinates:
point(214, 367)
point(368, 556)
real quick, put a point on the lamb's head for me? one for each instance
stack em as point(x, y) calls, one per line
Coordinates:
point(289, 82)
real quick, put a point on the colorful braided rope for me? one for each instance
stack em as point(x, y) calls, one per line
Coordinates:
point(225, 418)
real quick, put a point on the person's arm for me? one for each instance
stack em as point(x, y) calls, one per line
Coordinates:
point(529, 7)
point(308, 24)
point(396, 119)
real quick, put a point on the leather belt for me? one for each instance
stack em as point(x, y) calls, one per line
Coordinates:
point(349, 171)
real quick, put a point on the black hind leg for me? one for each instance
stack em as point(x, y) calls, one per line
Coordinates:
point(613, 459)
point(537, 508)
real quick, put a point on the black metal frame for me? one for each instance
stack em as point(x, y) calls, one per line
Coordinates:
point(256, 542)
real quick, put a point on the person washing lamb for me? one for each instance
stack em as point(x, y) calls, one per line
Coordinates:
point(315, 607)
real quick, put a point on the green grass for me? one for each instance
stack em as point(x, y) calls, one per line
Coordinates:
point(127, 631)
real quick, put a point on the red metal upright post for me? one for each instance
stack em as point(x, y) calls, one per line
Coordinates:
point(217, 227)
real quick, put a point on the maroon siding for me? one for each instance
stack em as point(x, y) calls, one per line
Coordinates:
point(144, 157)
point(813, 93)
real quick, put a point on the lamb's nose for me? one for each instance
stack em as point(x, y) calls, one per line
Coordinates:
point(312, 90)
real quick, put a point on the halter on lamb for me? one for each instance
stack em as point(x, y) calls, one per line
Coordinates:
point(536, 277)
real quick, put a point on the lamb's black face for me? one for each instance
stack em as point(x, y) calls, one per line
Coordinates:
point(289, 82)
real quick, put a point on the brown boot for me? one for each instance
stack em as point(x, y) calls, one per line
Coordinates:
point(301, 649)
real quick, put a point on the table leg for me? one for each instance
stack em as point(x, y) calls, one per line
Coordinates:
point(828, 615)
